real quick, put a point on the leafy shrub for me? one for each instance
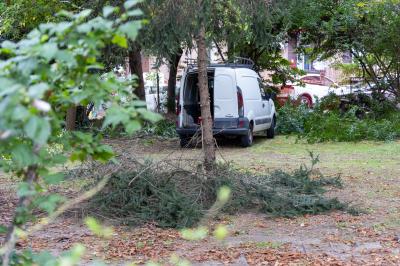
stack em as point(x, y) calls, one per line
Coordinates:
point(291, 119)
point(331, 121)
point(332, 126)
point(180, 198)
point(164, 128)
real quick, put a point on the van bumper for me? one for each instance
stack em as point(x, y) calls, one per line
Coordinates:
point(222, 127)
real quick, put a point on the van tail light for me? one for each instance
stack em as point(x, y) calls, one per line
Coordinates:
point(240, 102)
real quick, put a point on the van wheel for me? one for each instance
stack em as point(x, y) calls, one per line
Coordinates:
point(271, 129)
point(247, 140)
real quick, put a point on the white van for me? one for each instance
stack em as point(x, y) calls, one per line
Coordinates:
point(239, 105)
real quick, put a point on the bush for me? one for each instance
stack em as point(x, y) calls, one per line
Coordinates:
point(360, 119)
point(164, 128)
point(180, 198)
point(291, 119)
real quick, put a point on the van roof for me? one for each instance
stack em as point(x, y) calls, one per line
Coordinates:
point(213, 66)
point(236, 62)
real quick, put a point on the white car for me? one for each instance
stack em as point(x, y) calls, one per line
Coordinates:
point(239, 105)
point(313, 86)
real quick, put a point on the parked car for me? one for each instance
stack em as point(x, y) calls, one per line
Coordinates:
point(310, 87)
point(239, 105)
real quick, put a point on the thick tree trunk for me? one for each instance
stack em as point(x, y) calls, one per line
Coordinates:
point(207, 123)
point(135, 65)
point(173, 71)
point(70, 119)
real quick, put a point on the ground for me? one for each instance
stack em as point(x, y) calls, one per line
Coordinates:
point(370, 171)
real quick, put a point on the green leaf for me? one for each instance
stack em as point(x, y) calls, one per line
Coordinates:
point(114, 116)
point(149, 116)
point(8, 45)
point(22, 154)
point(24, 190)
point(195, 234)
point(52, 179)
point(132, 126)
point(7, 86)
point(48, 50)
point(108, 10)
point(66, 14)
point(103, 153)
point(135, 13)
point(37, 90)
point(120, 41)
point(37, 129)
point(83, 14)
point(130, 3)
point(66, 57)
point(130, 28)
point(97, 228)
point(49, 203)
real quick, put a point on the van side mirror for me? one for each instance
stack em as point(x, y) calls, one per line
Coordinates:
point(270, 95)
point(273, 96)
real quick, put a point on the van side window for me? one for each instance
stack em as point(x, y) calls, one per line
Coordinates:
point(262, 91)
point(250, 88)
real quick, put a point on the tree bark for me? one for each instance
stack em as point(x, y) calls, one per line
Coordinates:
point(207, 123)
point(70, 119)
point(173, 71)
point(23, 202)
point(135, 65)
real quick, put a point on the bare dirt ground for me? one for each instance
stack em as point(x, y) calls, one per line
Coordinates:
point(371, 175)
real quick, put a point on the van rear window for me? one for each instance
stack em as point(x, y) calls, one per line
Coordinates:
point(191, 94)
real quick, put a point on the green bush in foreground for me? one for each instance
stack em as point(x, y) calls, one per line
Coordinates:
point(179, 199)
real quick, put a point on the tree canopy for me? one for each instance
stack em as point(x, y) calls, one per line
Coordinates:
point(366, 29)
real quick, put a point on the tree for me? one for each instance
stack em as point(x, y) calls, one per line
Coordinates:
point(207, 121)
point(366, 29)
point(41, 77)
point(19, 17)
point(170, 30)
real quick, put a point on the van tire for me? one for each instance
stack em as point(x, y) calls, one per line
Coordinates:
point(247, 140)
point(271, 129)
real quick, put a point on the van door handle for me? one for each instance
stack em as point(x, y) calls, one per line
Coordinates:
point(263, 105)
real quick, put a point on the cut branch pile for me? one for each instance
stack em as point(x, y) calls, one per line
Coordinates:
point(172, 196)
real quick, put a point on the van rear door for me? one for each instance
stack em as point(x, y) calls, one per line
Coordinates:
point(225, 95)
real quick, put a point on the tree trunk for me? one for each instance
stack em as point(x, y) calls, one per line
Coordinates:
point(70, 119)
point(173, 71)
point(207, 123)
point(23, 203)
point(135, 65)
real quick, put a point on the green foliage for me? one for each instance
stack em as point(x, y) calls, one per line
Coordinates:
point(366, 120)
point(19, 17)
point(366, 29)
point(53, 69)
point(291, 119)
point(28, 257)
point(180, 199)
point(150, 197)
point(332, 126)
point(163, 128)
